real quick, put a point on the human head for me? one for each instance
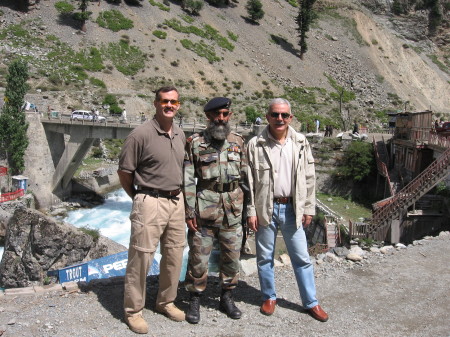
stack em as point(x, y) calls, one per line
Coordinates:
point(278, 125)
point(166, 103)
point(218, 112)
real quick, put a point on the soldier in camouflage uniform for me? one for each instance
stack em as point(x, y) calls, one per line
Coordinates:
point(216, 158)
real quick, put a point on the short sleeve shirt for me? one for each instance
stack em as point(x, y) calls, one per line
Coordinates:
point(154, 157)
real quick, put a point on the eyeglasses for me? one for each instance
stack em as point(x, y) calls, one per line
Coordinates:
point(285, 115)
point(167, 101)
point(217, 113)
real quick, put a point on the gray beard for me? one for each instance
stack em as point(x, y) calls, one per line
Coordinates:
point(218, 132)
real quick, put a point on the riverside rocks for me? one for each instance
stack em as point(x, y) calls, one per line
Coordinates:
point(36, 243)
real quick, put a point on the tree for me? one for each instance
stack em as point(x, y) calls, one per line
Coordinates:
point(13, 124)
point(84, 15)
point(358, 161)
point(193, 6)
point(251, 114)
point(254, 10)
point(342, 96)
point(305, 17)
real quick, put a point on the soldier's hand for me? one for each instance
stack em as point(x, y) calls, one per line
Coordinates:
point(306, 220)
point(252, 223)
point(192, 224)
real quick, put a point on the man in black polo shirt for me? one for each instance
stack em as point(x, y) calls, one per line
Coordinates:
point(150, 171)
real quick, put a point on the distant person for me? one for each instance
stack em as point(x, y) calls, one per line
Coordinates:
point(355, 128)
point(150, 172)
point(317, 126)
point(258, 120)
point(124, 115)
point(214, 170)
point(282, 198)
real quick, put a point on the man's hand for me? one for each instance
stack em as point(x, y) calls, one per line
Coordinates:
point(306, 220)
point(192, 224)
point(252, 223)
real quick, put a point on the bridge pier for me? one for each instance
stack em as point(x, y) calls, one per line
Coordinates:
point(76, 149)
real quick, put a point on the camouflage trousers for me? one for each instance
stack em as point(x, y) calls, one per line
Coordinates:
point(200, 247)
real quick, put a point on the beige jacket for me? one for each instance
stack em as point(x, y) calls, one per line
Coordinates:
point(260, 178)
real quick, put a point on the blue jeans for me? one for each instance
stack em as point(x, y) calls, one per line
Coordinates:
point(284, 218)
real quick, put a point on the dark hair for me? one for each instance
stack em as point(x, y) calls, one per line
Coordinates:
point(165, 89)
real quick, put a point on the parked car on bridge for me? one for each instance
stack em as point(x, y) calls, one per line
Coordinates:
point(444, 130)
point(79, 115)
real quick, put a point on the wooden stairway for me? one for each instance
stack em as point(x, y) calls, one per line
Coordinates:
point(391, 208)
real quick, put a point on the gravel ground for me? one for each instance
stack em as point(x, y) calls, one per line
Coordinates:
point(402, 293)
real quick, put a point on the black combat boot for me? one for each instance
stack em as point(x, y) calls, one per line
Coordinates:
point(227, 305)
point(193, 313)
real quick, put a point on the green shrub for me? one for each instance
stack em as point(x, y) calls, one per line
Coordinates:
point(114, 20)
point(442, 189)
point(79, 72)
point(91, 59)
point(208, 33)
point(126, 58)
point(160, 34)
point(97, 82)
point(159, 5)
point(251, 114)
point(358, 161)
point(232, 36)
point(201, 49)
point(194, 6)
point(93, 232)
point(64, 7)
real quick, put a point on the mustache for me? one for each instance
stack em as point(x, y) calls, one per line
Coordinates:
point(217, 122)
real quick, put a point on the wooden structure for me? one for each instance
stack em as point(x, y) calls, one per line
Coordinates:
point(418, 160)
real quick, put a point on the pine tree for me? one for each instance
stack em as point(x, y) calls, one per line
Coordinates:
point(84, 15)
point(305, 16)
point(13, 124)
point(254, 10)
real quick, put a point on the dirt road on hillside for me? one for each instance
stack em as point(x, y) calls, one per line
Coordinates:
point(402, 294)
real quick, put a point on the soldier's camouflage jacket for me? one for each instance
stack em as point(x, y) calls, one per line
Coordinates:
point(217, 169)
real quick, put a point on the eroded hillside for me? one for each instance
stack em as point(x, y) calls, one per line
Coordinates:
point(357, 49)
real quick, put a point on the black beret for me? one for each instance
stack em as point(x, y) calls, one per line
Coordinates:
point(217, 103)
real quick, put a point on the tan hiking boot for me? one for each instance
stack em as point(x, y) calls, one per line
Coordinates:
point(171, 311)
point(137, 323)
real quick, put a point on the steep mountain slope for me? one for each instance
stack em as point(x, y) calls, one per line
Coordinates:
point(359, 50)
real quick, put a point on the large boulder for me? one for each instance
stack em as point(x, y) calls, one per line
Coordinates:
point(36, 243)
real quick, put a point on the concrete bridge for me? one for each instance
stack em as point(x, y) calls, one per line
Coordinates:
point(70, 141)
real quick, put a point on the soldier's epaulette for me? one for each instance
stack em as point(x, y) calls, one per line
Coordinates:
point(192, 137)
point(238, 136)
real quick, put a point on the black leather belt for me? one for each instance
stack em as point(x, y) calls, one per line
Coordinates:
point(282, 200)
point(158, 193)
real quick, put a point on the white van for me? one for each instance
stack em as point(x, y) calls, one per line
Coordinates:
point(79, 115)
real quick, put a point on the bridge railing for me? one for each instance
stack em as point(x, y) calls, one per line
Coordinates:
point(187, 124)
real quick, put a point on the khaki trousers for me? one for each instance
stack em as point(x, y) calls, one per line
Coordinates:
point(154, 220)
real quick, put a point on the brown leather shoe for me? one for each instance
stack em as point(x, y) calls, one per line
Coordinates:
point(318, 313)
point(268, 307)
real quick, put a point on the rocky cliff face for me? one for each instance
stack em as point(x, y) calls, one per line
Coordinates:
point(36, 243)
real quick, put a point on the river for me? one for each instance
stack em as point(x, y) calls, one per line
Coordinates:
point(112, 220)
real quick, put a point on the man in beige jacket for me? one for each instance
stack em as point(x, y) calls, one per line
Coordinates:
point(282, 189)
